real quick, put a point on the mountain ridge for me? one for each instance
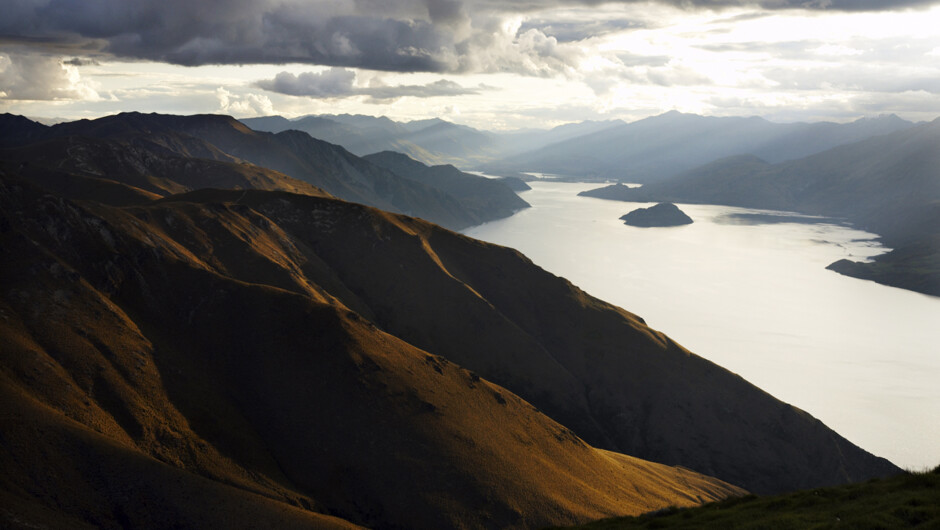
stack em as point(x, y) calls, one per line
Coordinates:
point(658, 147)
point(444, 380)
point(292, 153)
point(150, 335)
point(887, 184)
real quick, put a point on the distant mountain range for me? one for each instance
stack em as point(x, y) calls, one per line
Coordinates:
point(281, 357)
point(433, 141)
point(643, 151)
point(144, 150)
point(659, 147)
point(887, 184)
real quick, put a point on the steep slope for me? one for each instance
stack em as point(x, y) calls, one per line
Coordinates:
point(326, 166)
point(888, 184)
point(145, 167)
point(487, 199)
point(589, 365)
point(433, 141)
point(188, 362)
point(359, 137)
point(656, 148)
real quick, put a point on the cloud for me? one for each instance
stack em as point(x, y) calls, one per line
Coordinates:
point(855, 77)
point(244, 106)
point(577, 30)
point(340, 83)
point(80, 61)
point(440, 88)
point(392, 35)
point(335, 82)
point(35, 76)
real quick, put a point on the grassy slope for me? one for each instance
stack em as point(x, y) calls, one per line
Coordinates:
point(175, 364)
point(593, 367)
point(906, 501)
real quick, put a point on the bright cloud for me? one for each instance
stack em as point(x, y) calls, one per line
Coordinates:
point(248, 105)
point(34, 76)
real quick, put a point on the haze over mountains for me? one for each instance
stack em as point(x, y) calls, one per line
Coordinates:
point(643, 151)
point(275, 355)
point(661, 146)
point(887, 184)
point(433, 141)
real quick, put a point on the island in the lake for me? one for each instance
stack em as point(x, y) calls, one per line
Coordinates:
point(663, 214)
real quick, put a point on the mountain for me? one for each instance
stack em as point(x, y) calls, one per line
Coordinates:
point(887, 184)
point(517, 142)
point(184, 363)
point(487, 199)
point(266, 358)
point(433, 141)
point(659, 147)
point(292, 153)
point(136, 170)
point(430, 141)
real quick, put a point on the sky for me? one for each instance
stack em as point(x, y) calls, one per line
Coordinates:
point(489, 64)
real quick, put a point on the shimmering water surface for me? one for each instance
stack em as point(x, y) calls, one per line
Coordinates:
point(757, 299)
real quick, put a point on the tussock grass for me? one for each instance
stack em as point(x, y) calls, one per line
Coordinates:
point(909, 500)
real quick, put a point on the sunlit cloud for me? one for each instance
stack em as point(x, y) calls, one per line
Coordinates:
point(35, 76)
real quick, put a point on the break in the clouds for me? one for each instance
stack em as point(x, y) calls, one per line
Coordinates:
point(341, 83)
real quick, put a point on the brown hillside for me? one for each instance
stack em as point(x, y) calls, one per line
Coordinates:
point(188, 363)
point(147, 167)
point(591, 366)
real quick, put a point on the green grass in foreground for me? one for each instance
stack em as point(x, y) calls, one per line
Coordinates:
point(906, 501)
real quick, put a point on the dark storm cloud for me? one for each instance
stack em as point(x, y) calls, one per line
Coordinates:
point(340, 83)
point(80, 61)
point(392, 35)
point(191, 32)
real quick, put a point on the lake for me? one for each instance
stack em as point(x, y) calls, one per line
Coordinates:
point(757, 299)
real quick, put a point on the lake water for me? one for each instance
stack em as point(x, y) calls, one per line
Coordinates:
point(757, 299)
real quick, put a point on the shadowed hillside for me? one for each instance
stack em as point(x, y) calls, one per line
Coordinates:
point(222, 138)
point(187, 363)
point(485, 198)
point(284, 349)
point(433, 141)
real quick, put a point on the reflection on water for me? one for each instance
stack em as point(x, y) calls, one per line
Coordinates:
point(757, 299)
point(739, 218)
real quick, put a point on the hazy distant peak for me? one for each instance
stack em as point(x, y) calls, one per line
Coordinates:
point(417, 125)
point(383, 158)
